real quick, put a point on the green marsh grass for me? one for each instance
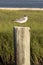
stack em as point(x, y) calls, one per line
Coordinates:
point(35, 22)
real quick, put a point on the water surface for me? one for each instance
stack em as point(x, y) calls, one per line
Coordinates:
point(22, 3)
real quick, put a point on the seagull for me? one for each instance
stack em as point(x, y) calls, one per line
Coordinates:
point(22, 20)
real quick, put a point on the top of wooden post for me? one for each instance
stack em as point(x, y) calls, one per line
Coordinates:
point(21, 27)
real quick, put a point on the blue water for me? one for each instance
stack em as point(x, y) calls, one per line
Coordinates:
point(28, 4)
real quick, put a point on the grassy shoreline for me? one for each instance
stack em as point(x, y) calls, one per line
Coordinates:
point(35, 22)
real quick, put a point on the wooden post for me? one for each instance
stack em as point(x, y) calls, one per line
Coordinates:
point(22, 45)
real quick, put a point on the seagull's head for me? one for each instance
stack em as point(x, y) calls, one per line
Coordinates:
point(25, 16)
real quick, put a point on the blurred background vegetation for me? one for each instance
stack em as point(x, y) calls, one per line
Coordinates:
point(35, 22)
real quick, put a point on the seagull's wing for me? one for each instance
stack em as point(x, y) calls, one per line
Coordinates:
point(22, 20)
